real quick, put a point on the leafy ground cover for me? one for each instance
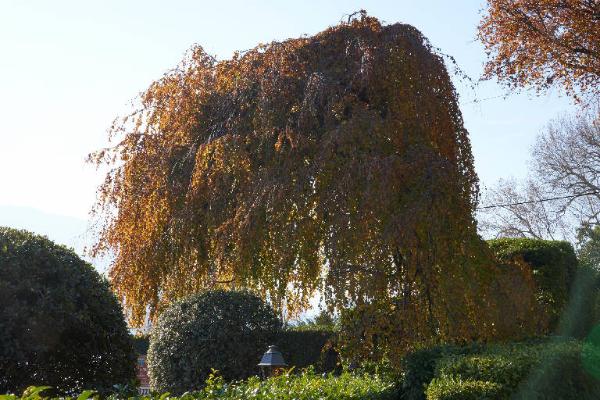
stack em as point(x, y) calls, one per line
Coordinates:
point(307, 385)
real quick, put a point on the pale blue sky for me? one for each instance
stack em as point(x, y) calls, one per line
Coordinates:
point(67, 68)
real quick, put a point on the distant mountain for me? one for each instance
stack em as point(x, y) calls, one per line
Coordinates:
point(69, 231)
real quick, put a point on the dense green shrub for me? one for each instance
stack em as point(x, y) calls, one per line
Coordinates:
point(419, 370)
point(304, 386)
point(543, 370)
point(554, 266)
point(419, 367)
point(60, 324)
point(223, 330)
point(305, 347)
point(458, 389)
point(559, 374)
point(568, 290)
point(590, 353)
point(505, 370)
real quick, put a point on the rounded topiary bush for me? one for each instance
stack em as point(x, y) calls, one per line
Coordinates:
point(60, 324)
point(223, 330)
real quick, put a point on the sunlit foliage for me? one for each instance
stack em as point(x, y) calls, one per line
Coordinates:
point(544, 43)
point(334, 164)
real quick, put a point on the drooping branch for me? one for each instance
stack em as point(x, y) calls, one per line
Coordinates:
point(300, 167)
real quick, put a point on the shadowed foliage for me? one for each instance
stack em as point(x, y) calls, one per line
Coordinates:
point(60, 325)
point(226, 331)
point(554, 266)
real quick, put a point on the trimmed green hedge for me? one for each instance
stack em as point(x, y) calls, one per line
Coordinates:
point(302, 348)
point(419, 367)
point(542, 370)
point(554, 266)
point(457, 389)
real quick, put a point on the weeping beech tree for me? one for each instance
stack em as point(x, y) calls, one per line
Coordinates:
point(335, 164)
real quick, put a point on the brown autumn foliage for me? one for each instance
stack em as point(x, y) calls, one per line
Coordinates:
point(335, 164)
point(544, 43)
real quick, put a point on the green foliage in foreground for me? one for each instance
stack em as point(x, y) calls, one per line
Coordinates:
point(305, 386)
point(453, 388)
point(550, 370)
point(420, 366)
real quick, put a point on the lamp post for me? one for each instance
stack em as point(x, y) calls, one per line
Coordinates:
point(271, 361)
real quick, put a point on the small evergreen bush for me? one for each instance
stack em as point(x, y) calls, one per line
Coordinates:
point(226, 331)
point(60, 324)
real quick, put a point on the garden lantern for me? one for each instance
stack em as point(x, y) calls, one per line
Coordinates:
point(271, 361)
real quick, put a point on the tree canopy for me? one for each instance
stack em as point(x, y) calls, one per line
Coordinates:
point(562, 192)
point(544, 43)
point(336, 163)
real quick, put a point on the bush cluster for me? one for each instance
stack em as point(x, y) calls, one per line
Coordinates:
point(60, 324)
point(301, 348)
point(228, 331)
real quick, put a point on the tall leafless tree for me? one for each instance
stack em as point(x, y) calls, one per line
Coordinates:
point(562, 192)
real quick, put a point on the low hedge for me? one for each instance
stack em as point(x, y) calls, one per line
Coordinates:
point(305, 347)
point(305, 386)
point(506, 370)
point(419, 367)
point(457, 389)
point(548, 370)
